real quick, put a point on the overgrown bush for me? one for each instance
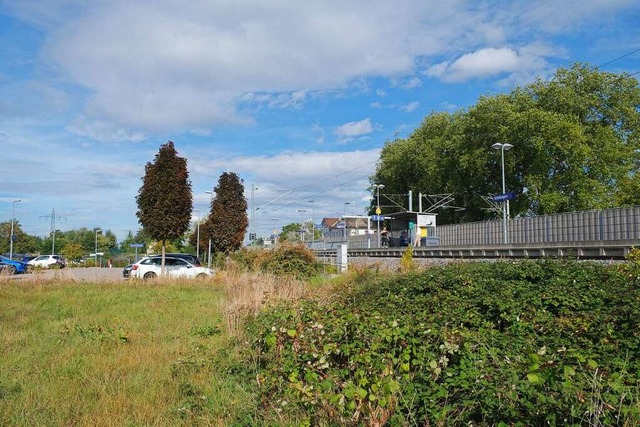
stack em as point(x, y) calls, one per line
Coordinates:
point(287, 259)
point(527, 343)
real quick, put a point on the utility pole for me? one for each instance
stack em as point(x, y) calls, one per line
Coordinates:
point(53, 218)
point(252, 219)
point(13, 218)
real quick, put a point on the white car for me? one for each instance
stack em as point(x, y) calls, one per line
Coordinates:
point(48, 261)
point(150, 268)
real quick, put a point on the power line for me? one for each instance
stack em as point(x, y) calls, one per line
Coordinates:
point(618, 58)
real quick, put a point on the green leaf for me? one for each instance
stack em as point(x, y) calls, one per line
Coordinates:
point(534, 378)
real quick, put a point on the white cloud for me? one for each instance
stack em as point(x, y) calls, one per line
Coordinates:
point(354, 129)
point(488, 62)
point(152, 66)
point(411, 106)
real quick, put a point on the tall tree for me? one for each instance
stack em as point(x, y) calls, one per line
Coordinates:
point(227, 222)
point(165, 200)
point(576, 146)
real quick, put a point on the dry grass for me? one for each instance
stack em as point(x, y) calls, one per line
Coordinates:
point(247, 293)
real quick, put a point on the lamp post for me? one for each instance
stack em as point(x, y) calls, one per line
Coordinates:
point(13, 216)
point(505, 203)
point(313, 224)
point(95, 253)
point(344, 220)
point(211, 193)
point(378, 210)
point(252, 227)
point(275, 235)
point(302, 211)
point(197, 234)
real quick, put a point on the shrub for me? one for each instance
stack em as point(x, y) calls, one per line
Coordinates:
point(287, 259)
point(527, 343)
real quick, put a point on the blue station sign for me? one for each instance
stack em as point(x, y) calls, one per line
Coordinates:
point(502, 197)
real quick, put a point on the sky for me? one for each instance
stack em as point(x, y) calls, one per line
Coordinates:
point(297, 98)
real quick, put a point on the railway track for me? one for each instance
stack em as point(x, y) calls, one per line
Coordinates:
point(614, 250)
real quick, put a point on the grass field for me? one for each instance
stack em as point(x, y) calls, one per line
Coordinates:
point(115, 354)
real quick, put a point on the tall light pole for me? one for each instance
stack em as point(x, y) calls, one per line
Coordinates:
point(344, 220)
point(13, 217)
point(252, 227)
point(302, 211)
point(313, 224)
point(211, 193)
point(505, 203)
point(378, 210)
point(275, 235)
point(95, 253)
point(197, 234)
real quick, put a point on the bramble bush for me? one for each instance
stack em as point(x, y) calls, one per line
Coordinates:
point(294, 260)
point(506, 343)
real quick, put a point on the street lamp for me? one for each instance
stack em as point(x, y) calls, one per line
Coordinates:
point(313, 224)
point(211, 193)
point(378, 211)
point(275, 235)
point(197, 234)
point(505, 203)
point(252, 227)
point(13, 216)
point(302, 211)
point(95, 253)
point(344, 220)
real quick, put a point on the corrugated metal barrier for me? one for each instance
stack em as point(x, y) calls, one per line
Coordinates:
point(616, 224)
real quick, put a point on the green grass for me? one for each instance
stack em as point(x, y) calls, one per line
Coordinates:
point(115, 354)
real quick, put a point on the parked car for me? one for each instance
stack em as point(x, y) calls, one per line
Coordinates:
point(150, 268)
point(48, 261)
point(187, 257)
point(126, 272)
point(27, 258)
point(13, 267)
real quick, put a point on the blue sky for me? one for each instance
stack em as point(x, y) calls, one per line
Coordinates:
point(289, 95)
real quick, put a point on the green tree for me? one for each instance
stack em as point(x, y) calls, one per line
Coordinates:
point(576, 145)
point(291, 232)
point(24, 243)
point(227, 222)
point(165, 200)
point(73, 252)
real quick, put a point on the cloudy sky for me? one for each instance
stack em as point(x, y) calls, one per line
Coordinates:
point(295, 97)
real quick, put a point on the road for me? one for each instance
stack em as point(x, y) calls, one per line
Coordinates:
point(89, 274)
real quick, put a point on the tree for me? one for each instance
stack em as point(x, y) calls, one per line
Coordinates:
point(227, 222)
point(576, 145)
point(291, 232)
point(165, 200)
point(24, 243)
point(73, 252)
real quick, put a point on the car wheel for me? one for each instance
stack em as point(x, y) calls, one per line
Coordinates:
point(201, 276)
point(150, 275)
point(11, 269)
point(29, 269)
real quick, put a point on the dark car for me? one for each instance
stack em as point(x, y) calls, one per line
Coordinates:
point(13, 267)
point(28, 258)
point(126, 272)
